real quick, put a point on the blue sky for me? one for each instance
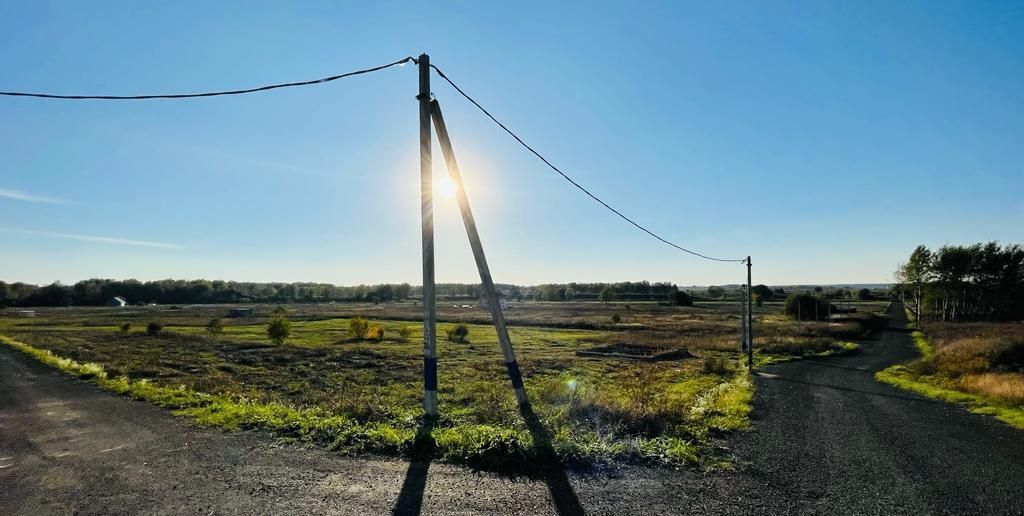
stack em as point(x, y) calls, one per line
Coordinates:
point(825, 139)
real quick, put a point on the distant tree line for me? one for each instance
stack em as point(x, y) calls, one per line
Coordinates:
point(623, 291)
point(964, 283)
point(96, 292)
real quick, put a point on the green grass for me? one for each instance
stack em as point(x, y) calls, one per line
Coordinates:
point(924, 346)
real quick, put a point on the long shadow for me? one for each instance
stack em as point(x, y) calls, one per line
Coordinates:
point(551, 467)
point(410, 498)
point(858, 391)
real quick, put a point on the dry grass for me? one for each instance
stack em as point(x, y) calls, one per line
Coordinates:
point(1008, 387)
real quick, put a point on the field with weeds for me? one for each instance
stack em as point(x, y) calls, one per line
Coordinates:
point(977, 364)
point(356, 387)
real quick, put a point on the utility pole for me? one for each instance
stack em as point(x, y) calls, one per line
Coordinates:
point(427, 216)
point(478, 254)
point(750, 319)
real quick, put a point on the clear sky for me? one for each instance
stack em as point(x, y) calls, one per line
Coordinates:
point(825, 139)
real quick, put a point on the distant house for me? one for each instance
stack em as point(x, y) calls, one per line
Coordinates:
point(241, 312)
point(26, 313)
point(118, 302)
point(502, 302)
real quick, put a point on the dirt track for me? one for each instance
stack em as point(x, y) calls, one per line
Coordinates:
point(828, 438)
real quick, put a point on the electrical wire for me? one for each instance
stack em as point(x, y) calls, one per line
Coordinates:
point(572, 181)
point(206, 94)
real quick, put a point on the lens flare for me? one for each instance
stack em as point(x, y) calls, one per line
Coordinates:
point(445, 187)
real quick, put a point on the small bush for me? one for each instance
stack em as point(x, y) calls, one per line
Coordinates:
point(279, 329)
point(718, 365)
point(616, 318)
point(126, 327)
point(215, 326)
point(154, 328)
point(404, 333)
point(458, 333)
point(279, 311)
point(358, 326)
point(376, 332)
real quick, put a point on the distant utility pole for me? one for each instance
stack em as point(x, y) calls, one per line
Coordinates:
point(750, 319)
point(427, 216)
point(478, 254)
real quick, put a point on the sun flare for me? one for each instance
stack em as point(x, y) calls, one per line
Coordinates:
point(446, 187)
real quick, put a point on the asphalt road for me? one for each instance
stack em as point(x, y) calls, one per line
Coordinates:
point(828, 438)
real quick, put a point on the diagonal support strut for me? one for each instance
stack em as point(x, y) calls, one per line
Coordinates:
point(478, 253)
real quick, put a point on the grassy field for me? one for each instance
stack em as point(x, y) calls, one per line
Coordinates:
point(980, 365)
point(326, 387)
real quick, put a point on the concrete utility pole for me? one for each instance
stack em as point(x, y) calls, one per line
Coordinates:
point(478, 254)
point(750, 319)
point(427, 216)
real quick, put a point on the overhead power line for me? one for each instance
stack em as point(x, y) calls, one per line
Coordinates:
point(364, 71)
point(571, 180)
point(209, 93)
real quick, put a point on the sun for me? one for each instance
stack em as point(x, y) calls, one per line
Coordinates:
point(446, 187)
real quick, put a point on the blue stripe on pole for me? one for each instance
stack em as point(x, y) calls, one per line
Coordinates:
point(430, 373)
point(513, 374)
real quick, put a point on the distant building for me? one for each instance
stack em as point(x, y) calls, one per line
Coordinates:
point(241, 312)
point(118, 302)
point(26, 313)
point(502, 302)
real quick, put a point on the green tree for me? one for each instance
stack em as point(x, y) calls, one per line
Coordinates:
point(763, 291)
point(154, 328)
point(716, 292)
point(805, 307)
point(215, 326)
point(682, 298)
point(278, 329)
point(606, 295)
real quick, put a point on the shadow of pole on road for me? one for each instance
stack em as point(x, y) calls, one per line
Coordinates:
point(552, 469)
point(410, 498)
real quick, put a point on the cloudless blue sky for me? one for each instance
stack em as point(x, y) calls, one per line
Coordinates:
point(825, 139)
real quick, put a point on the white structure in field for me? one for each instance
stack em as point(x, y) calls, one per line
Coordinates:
point(26, 313)
point(502, 302)
point(118, 302)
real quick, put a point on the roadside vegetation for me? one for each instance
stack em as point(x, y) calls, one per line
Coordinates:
point(979, 365)
point(354, 383)
point(965, 302)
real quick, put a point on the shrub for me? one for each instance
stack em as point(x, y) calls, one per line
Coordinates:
point(806, 307)
point(682, 298)
point(215, 326)
point(376, 332)
point(718, 365)
point(154, 328)
point(279, 311)
point(358, 326)
point(458, 333)
point(616, 318)
point(404, 333)
point(126, 327)
point(279, 329)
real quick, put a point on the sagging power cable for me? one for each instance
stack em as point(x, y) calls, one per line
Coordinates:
point(209, 93)
point(571, 180)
